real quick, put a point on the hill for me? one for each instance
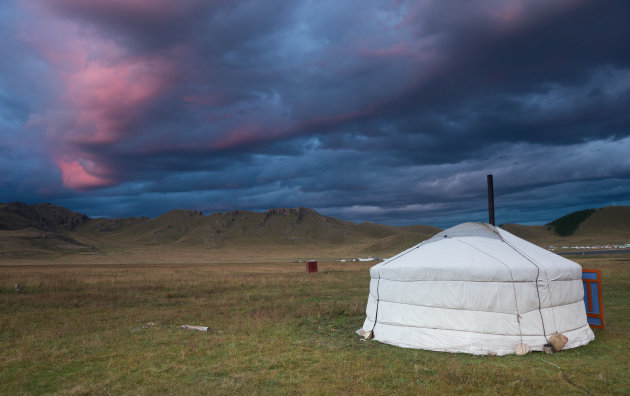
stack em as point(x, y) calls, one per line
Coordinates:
point(536, 233)
point(243, 229)
point(24, 227)
point(41, 228)
point(31, 230)
point(612, 222)
point(568, 224)
point(609, 224)
point(45, 217)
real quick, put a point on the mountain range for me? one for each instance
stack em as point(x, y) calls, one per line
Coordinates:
point(27, 230)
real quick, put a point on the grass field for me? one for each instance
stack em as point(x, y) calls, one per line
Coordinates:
point(95, 327)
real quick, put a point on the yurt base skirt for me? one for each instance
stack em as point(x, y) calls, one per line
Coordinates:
point(456, 341)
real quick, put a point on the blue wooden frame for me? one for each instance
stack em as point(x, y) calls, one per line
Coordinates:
point(592, 282)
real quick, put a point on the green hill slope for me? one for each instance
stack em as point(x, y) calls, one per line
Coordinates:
point(609, 224)
point(568, 224)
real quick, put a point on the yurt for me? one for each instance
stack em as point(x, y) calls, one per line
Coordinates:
point(475, 288)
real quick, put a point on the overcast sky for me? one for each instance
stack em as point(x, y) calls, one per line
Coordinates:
point(384, 111)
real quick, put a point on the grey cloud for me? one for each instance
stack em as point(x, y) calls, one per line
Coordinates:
point(358, 109)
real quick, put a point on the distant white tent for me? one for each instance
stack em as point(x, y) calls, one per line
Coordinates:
point(478, 289)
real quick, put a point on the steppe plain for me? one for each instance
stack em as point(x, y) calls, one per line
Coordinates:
point(98, 317)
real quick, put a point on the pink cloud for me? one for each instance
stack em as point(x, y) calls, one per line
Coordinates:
point(74, 175)
point(109, 98)
point(240, 136)
point(104, 91)
point(250, 133)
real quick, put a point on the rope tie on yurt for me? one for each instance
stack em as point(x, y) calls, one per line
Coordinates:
point(553, 315)
point(538, 294)
point(378, 282)
point(518, 319)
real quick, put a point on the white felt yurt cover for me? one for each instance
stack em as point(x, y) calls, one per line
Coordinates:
point(476, 288)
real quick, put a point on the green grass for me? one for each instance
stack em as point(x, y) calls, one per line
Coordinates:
point(102, 329)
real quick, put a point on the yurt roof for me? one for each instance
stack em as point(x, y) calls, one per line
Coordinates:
point(476, 252)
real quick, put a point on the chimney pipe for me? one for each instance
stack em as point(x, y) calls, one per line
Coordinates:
point(490, 200)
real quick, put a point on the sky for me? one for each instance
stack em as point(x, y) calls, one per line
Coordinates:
point(385, 111)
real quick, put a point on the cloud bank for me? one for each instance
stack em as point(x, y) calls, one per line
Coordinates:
point(387, 111)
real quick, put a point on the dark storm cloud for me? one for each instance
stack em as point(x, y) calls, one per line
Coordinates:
point(383, 111)
point(553, 80)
